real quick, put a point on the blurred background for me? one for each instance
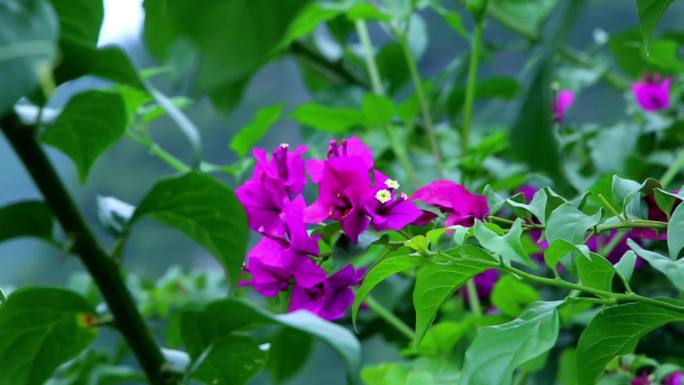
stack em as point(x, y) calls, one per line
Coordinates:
point(127, 170)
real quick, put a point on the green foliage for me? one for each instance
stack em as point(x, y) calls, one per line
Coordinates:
point(26, 219)
point(91, 122)
point(675, 232)
point(512, 296)
point(249, 135)
point(568, 223)
point(203, 209)
point(40, 329)
point(673, 269)
point(650, 12)
point(328, 119)
point(434, 284)
point(224, 318)
point(28, 30)
point(508, 246)
point(230, 359)
point(381, 271)
point(492, 359)
point(615, 331)
point(596, 272)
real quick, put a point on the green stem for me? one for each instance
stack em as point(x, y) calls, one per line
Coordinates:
point(626, 224)
point(160, 153)
point(473, 299)
point(373, 73)
point(610, 207)
point(390, 318)
point(104, 271)
point(673, 170)
point(423, 103)
point(474, 62)
point(378, 89)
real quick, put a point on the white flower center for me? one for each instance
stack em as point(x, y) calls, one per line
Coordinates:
point(383, 196)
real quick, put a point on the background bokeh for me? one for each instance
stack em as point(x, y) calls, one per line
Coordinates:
point(127, 171)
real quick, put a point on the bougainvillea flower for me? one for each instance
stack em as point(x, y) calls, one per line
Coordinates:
point(388, 209)
point(564, 100)
point(676, 378)
point(653, 93)
point(461, 205)
point(263, 202)
point(641, 379)
point(598, 241)
point(484, 283)
point(275, 261)
point(351, 147)
point(344, 184)
point(331, 298)
point(284, 166)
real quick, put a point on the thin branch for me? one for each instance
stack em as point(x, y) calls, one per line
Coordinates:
point(103, 269)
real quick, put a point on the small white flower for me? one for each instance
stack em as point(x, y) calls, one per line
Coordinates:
point(391, 183)
point(383, 196)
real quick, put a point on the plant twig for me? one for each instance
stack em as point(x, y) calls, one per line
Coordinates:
point(390, 318)
point(673, 170)
point(103, 270)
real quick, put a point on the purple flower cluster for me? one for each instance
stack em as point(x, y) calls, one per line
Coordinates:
point(286, 253)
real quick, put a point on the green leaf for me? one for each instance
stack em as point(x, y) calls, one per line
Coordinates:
point(28, 32)
point(626, 48)
point(380, 272)
point(665, 200)
point(306, 22)
point(568, 223)
point(234, 39)
point(596, 272)
point(387, 373)
point(559, 248)
point(231, 360)
point(91, 122)
point(328, 119)
point(664, 54)
point(675, 232)
point(40, 329)
point(650, 12)
point(250, 134)
point(508, 246)
point(674, 270)
point(110, 63)
point(223, 317)
point(26, 219)
point(522, 15)
point(366, 11)
point(498, 350)
point(434, 284)
point(378, 110)
point(512, 296)
point(289, 352)
point(532, 138)
point(79, 20)
point(496, 87)
point(418, 243)
point(625, 266)
point(615, 331)
point(442, 337)
point(536, 207)
point(205, 210)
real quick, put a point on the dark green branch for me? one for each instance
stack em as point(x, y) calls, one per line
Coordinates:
point(334, 70)
point(104, 271)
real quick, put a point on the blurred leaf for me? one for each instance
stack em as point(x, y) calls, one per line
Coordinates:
point(392, 65)
point(665, 55)
point(568, 223)
point(507, 246)
point(626, 48)
point(387, 373)
point(496, 87)
point(418, 243)
point(650, 12)
point(567, 367)
point(109, 63)
point(26, 219)
point(560, 248)
point(366, 11)
point(434, 284)
point(28, 32)
point(525, 15)
point(498, 350)
point(673, 270)
point(223, 317)
point(666, 200)
point(289, 352)
point(306, 22)
point(250, 134)
point(532, 138)
point(613, 159)
point(378, 110)
point(442, 337)
point(206, 211)
point(615, 331)
point(512, 296)
point(328, 119)
point(233, 40)
point(675, 232)
point(79, 20)
point(90, 123)
point(231, 360)
point(40, 329)
point(596, 272)
point(380, 272)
